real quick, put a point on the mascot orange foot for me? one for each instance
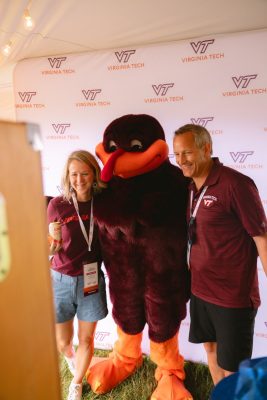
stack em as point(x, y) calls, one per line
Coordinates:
point(127, 357)
point(123, 361)
point(170, 371)
point(170, 386)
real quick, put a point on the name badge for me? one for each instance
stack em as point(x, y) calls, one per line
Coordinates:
point(90, 275)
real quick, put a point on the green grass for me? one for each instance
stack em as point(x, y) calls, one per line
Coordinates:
point(141, 384)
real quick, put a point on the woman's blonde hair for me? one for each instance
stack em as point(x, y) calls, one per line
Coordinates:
point(88, 159)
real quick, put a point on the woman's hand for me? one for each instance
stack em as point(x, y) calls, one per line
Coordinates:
point(54, 246)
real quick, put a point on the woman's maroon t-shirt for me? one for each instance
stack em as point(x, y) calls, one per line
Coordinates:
point(69, 260)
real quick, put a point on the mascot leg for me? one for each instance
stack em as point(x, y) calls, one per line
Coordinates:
point(125, 358)
point(170, 371)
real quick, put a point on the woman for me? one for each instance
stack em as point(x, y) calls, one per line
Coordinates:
point(78, 282)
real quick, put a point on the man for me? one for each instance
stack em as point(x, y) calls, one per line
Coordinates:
point(227, 230)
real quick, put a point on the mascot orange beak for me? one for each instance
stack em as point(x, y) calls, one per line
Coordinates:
point(129, 164)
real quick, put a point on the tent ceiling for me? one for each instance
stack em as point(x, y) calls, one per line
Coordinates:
point(71, 26)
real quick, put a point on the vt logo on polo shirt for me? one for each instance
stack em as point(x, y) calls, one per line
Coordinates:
point(209, 201)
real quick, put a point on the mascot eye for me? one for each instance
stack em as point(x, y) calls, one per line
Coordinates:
point(112, 146)
point(136, 145)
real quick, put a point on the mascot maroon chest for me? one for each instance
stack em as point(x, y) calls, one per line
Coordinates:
point(142, 228)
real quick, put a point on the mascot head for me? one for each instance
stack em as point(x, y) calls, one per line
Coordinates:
point(132, 145)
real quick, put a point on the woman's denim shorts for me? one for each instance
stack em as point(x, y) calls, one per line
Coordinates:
point(70, 301)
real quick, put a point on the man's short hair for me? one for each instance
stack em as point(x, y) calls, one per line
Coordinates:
point(201, 134)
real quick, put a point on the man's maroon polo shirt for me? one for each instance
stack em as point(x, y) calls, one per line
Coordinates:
point(223, 258)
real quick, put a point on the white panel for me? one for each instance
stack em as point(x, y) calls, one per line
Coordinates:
point(217, 81)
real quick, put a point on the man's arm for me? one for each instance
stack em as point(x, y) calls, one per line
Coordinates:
point(261, 243)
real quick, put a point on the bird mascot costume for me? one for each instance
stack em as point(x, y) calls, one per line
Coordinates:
point(141, 218)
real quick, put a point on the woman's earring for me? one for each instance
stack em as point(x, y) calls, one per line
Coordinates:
point(94, 185)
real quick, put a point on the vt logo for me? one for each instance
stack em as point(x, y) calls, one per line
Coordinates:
point(91, 93)
point(26, 96)
point(100, 336)
point(208, 203)
point(162, 88)
point(124, 55)
point(60, 128)
point(201, 121)
point(56, 61)
point(201, 46)
point(243, 80)
point(240, 156)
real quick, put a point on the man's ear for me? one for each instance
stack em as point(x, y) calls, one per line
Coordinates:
point(207, 149)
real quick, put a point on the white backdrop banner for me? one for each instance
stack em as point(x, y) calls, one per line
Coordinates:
point(219, 82)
